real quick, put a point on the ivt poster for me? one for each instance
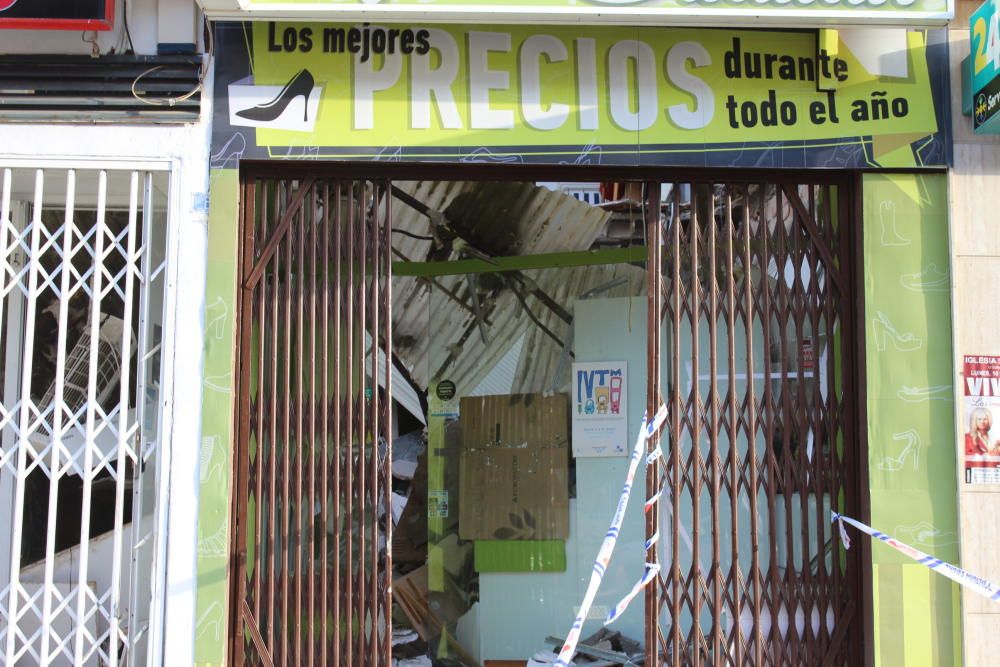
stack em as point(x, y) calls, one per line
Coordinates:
point(600, 411)
point(982, 406)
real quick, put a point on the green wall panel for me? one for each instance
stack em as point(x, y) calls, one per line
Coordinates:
point(216, 420)
point(910, 404)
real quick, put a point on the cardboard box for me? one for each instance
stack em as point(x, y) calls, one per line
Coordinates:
point(514, 467)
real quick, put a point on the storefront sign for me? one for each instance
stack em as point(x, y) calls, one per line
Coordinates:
point(984, 41)
point(579, 95)
point(982, 406)
point(57, 14)
point(600, 408)
point(897, 12)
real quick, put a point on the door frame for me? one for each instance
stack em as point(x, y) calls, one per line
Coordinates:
point(850, 202)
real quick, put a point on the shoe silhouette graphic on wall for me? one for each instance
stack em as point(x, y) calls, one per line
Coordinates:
point(300, 84)
point(931, 279)
point(885, 333)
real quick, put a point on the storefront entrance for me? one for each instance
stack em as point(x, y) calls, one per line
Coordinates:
point(746, 285)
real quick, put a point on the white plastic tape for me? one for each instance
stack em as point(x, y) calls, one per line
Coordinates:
point(647, 429)
point(967, 579)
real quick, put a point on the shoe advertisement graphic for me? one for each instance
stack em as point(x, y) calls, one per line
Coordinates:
point(292, 106)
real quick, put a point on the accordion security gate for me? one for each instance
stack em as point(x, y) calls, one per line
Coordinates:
point(312, 579)
point(755, 299)
point(82, 470)
point(750, 342)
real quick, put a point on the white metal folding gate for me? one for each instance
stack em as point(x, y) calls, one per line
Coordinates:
point(82, 483)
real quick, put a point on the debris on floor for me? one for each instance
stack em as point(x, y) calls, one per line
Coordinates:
point(419, 661)
point(604, 648)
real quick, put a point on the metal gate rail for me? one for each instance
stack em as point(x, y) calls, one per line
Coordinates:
point(754, 297)
point(313, 569)
point(752, 286)
point(82, 315)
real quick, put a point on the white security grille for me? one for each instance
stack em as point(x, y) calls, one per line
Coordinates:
point(82, 258)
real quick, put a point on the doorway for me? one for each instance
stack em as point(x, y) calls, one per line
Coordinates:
point(502, 280)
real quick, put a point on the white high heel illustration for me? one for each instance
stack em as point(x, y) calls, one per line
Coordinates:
point(913, 445)
point(885, 331)
point(887, 218)
point(232, 151)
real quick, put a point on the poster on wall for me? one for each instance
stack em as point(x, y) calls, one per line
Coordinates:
point(982, 408)
point(600, 410)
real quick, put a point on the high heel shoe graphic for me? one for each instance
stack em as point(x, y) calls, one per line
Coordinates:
point(913, 445)
point(300, 84)
point(885, 332)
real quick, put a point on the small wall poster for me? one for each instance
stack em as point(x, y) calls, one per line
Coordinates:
point(600, 409)
point(982, 409)
point(442, 399)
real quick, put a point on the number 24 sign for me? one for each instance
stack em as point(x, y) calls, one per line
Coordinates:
point(985, 44)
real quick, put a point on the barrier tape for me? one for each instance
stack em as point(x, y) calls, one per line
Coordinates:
point(957, 574)
point(647, 429)
point(651, 569)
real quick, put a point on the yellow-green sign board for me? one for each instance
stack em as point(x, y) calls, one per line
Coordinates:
point(573, 94)
point(659, 12)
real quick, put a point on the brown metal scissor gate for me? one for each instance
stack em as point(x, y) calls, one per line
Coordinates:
point(757, 298)
point(752, 285)
point(312, 577)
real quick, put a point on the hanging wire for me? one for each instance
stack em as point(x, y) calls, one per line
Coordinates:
point(419, 237)
point(95, 48)
point(171, 101)
point(131, 47)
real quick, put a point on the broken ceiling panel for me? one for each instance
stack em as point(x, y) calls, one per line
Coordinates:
point(452, 348)
point(499, 219)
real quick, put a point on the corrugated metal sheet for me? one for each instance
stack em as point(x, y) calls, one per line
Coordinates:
point(451, 348)
point(500, 219)
point(500, 378)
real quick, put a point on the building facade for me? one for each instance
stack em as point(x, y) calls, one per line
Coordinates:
point(767, 218)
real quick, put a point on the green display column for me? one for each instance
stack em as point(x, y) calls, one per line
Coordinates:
point(910, 404)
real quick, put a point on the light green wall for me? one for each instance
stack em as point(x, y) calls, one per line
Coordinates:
point(905, 234)
point(910, 405)
point(216, 420)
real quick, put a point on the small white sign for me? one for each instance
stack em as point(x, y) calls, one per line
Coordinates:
point(600, 408)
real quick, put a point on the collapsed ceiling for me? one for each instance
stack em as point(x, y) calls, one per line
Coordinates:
point(460, 327)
